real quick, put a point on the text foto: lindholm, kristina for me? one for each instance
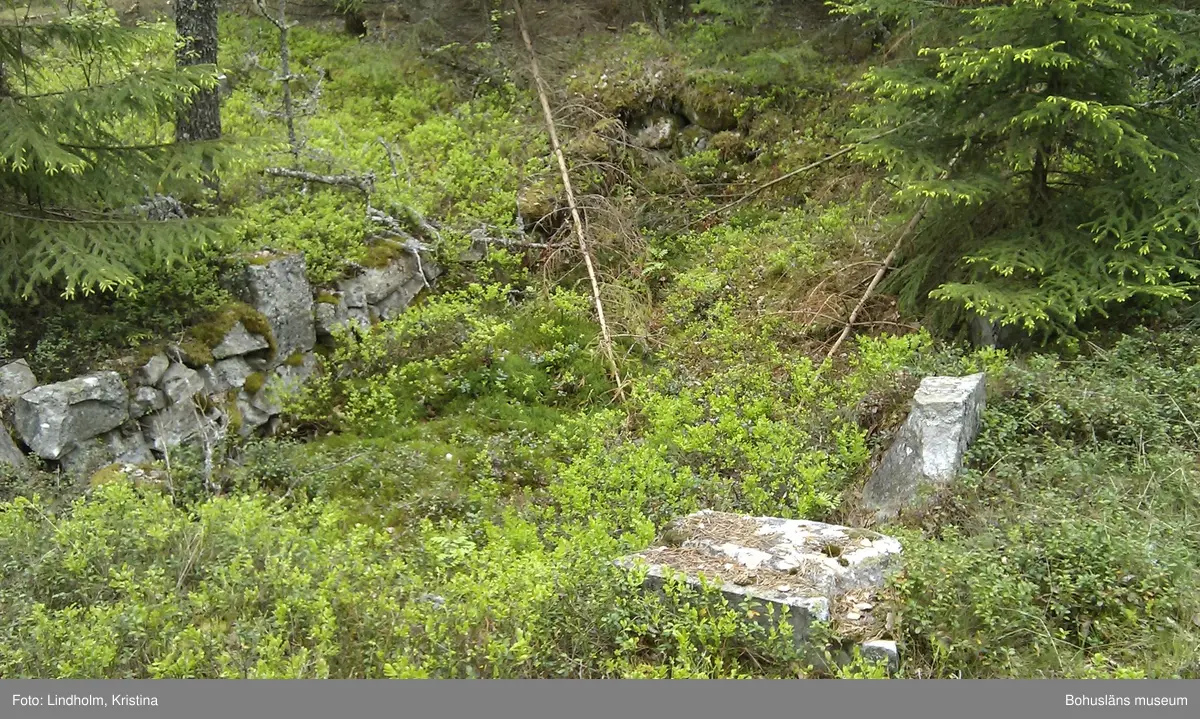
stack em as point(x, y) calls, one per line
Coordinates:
point(92, 700)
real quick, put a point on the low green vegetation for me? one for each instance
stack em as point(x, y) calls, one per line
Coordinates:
point(445, 496)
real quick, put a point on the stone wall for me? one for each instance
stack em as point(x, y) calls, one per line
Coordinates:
point(144, 409)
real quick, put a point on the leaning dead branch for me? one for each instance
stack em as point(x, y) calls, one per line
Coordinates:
point(908, 230)
point(605, 336)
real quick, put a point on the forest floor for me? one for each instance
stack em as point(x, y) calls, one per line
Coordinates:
point(446, 498)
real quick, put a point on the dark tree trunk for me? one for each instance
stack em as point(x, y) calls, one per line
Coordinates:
point(196, 23)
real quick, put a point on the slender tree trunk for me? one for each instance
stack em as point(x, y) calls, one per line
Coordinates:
point(196, 23)
point(285, 67)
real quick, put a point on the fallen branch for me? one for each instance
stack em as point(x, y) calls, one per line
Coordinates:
point(505, 242)
point(364, 183)
point(605, 337)
point(787, 176)
point(887, 262)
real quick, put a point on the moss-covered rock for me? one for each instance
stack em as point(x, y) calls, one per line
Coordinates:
point(199, 341)
point(692, 139)
point(588, 146)
point(236, 420)
point(711, 105)
point(296, 359)
point(537, 202)
point(732, 146)
point(771, 127)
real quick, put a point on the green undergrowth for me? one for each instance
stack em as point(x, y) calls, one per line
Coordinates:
point(455, 512)
point(448, 152)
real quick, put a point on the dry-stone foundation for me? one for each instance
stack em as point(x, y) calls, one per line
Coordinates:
point(172, 399)
point(817, 572)
point(928, 451)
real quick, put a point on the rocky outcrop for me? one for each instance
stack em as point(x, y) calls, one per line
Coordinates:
point(227, 374)
point(127, 444)
point(239, 341)
point(146, 400)
point(928, 451)
point(177, 424)
point(54, 419)
point(152, 372)
point(376, 293)
point(278, 288)
point(180, 383)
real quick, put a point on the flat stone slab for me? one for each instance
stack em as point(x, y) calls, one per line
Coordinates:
point(239, 341)
point(809, 567)
point(929, 449)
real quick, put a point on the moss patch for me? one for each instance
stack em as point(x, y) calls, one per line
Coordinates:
point(712, 105)
point(199, 341)
point(296, 360)
point(731, 145)
point(381, 254)
point(255, 382)
point(327, 298)
point(236, 420)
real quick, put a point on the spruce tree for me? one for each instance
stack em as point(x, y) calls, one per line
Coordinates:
point(1061, 180)
point(85, 143)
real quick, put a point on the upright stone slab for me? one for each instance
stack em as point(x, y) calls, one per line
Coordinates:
point(15, 380)
point(929, 448)
point(811, 568)
point(54, 419)
point(279, 289)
